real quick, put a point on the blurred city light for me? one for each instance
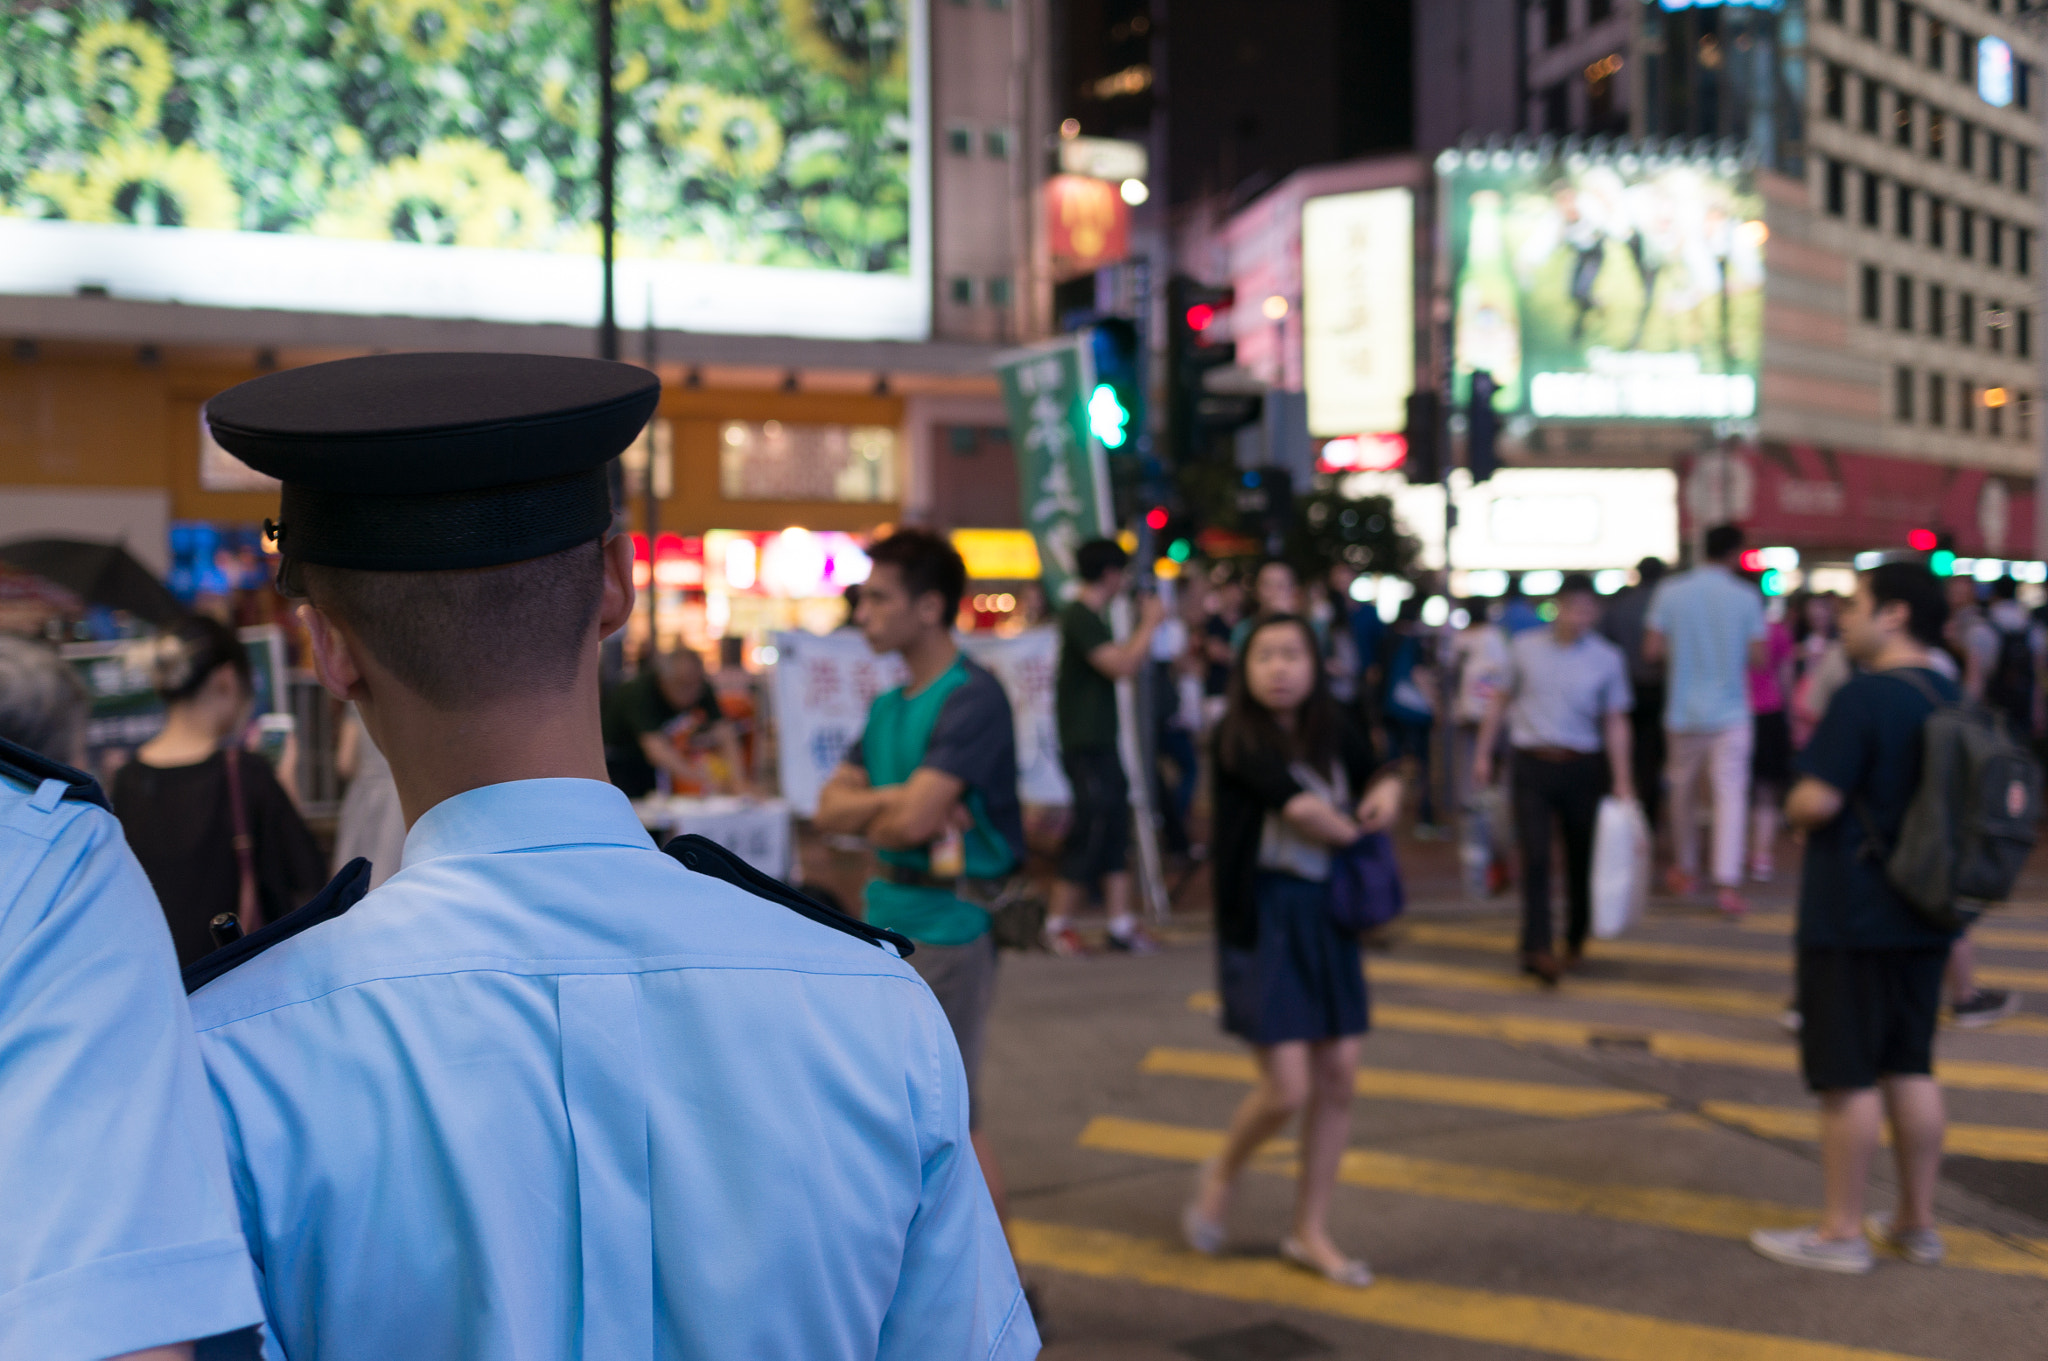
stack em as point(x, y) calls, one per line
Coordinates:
point(1134, 191)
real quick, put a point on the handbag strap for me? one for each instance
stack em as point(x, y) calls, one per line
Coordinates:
point(245, 844)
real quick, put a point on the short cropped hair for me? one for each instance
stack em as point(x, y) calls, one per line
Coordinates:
point(1723, 540)
point(1919, 590)
point(928, 563)
point(1097, 558)
point(43, 703)
point(1576, 583)
point(462, 638)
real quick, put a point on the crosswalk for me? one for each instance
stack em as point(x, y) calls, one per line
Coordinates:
point(1664, 994)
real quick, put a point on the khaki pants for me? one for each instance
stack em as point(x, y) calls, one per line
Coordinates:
point(1724, 758)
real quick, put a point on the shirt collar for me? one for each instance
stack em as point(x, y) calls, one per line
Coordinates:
point(522, 815)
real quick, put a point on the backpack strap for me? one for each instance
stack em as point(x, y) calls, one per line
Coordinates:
point(343, 892)
point(708, 857)
point(32, 768)
point(1910, 675)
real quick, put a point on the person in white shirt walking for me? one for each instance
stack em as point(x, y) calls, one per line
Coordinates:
point(1709, 625)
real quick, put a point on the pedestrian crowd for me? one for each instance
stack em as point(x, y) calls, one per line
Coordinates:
point(502, 1078)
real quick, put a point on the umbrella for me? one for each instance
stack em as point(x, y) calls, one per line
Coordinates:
point(99, 573)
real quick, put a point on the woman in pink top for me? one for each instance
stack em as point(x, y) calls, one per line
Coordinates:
point(1770, 762)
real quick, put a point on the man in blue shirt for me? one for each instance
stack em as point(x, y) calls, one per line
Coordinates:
point(1709, 626)
point(117, 1225)
point(1869, 969)
point(546, 1092)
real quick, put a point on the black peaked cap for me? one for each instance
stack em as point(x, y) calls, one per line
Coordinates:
point(423, 462)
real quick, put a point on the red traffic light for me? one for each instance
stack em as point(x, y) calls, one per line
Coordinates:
point(1922, 540)
point(1155, 518)
point(1200, 315)
point(1753, 560)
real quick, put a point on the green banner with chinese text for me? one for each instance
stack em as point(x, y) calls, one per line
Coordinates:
point(1062, 474)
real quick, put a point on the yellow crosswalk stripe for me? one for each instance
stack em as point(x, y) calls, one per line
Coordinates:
point(1554, 1327)
point(1696, 1212)
point(1553, 1102)
point(1722, 1001)
point(1780, 923)
point(2005, 1143)
point(1670, 952)
point(1548, 1100)
point(1676, 1046)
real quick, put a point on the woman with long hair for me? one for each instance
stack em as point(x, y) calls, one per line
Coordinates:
point(1295, 781)
point(211, 825)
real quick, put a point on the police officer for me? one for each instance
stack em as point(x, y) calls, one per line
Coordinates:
point(546, 1092)
point(117, 1228)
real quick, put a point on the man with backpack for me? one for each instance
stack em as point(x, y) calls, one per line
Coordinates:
point(1869, 963)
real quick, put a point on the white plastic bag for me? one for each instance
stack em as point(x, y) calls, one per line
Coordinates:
point(1621, 867)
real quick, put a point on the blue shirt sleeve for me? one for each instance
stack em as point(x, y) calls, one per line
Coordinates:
point(957, 1294)
point(120, 1232)
point(1617, 696)
point(1659, 615)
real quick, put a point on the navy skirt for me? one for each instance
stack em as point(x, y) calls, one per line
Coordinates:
point(1303, 979)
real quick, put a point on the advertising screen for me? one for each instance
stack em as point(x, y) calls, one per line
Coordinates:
point(1358, 310)
point(1619, 287)
point(439, 158)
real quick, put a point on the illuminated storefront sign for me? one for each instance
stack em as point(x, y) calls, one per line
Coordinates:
point(1616, 287)
point(1994, 72)
point(1521, 519)
point(1088, 224)
point(438, 158)
point(1358, 310)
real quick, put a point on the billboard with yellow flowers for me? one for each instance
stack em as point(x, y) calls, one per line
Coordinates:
point(439, 158)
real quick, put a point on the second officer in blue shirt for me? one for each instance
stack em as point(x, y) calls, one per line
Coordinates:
point(548, 1092)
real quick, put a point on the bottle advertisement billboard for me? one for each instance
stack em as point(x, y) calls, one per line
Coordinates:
point(439, 158)
point(1625, 286)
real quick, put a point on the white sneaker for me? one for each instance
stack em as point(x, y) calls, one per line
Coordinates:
point(1805, 1247)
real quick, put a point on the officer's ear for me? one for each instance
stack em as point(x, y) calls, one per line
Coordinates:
point(616, 606)
point(334, 659)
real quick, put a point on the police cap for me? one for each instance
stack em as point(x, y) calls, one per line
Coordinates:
point(434, 462)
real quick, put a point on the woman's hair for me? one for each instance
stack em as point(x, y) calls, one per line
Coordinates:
point(1249, 727)
point(193, 651)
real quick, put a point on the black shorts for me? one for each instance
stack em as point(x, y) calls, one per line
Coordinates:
point(1867, 1014)
point(1770, 754)
point(1099, 839)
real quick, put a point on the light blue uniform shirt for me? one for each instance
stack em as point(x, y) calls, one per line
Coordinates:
point(547, 1094)
point(1709, 618)
point(1561, 696)
point(117, 1227)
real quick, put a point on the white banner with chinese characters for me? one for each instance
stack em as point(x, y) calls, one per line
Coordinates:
point(823, 686)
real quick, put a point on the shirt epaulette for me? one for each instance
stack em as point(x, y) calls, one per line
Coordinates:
point(343, 892)
point(708, 857)
point(33, 768)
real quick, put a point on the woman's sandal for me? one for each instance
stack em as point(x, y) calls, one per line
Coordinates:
point(1203, 1235)
point(1351, 1272)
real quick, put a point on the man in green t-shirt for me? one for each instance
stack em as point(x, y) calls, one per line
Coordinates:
point(933, 778)
point(1098, 846)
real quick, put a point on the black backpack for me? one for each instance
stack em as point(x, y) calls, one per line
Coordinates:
point(1973, 817)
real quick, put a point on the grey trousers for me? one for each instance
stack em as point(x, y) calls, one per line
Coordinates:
point(963, 978)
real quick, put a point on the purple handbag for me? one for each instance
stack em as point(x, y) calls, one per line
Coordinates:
point(1365, 884)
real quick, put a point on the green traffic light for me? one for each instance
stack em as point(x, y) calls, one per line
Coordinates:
point(1180, 550)
point(1773, 582)
point(1941, 562)
point(1107, 417)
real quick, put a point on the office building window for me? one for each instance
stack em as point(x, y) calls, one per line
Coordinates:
point(1994, 243)
point(1557, 109)
point(1868, 17)
point(1966, 318)
point(1937, 221)
point(1966, 145)
point(1902, 394)
point(1870, 199)
point(1996, 319)
point(1966, 58)
point(1871, 94)
point(1937, 310)
point(2023, 416)
point(1902, 302)
point(1902, 30)
point(1937, 35)
point(961, 290)
point(2023, 84)
point(1872, 294)
point(1902, 121)
point(1599, 11)
point(1834, 87)
point(1994, 419)
point(1903, 212)
point(1833, 11)
point(1837, 188)
point(2022, 251)
point(1966, 233)
point(1937, 393)
point(1966, 404)
point(998, 293)
point(1555, 22)
point(2023, 333)
point(960, 141)
point(1937, 133)
point(1994, 158)
point(2022, 169)
point(995, 144)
